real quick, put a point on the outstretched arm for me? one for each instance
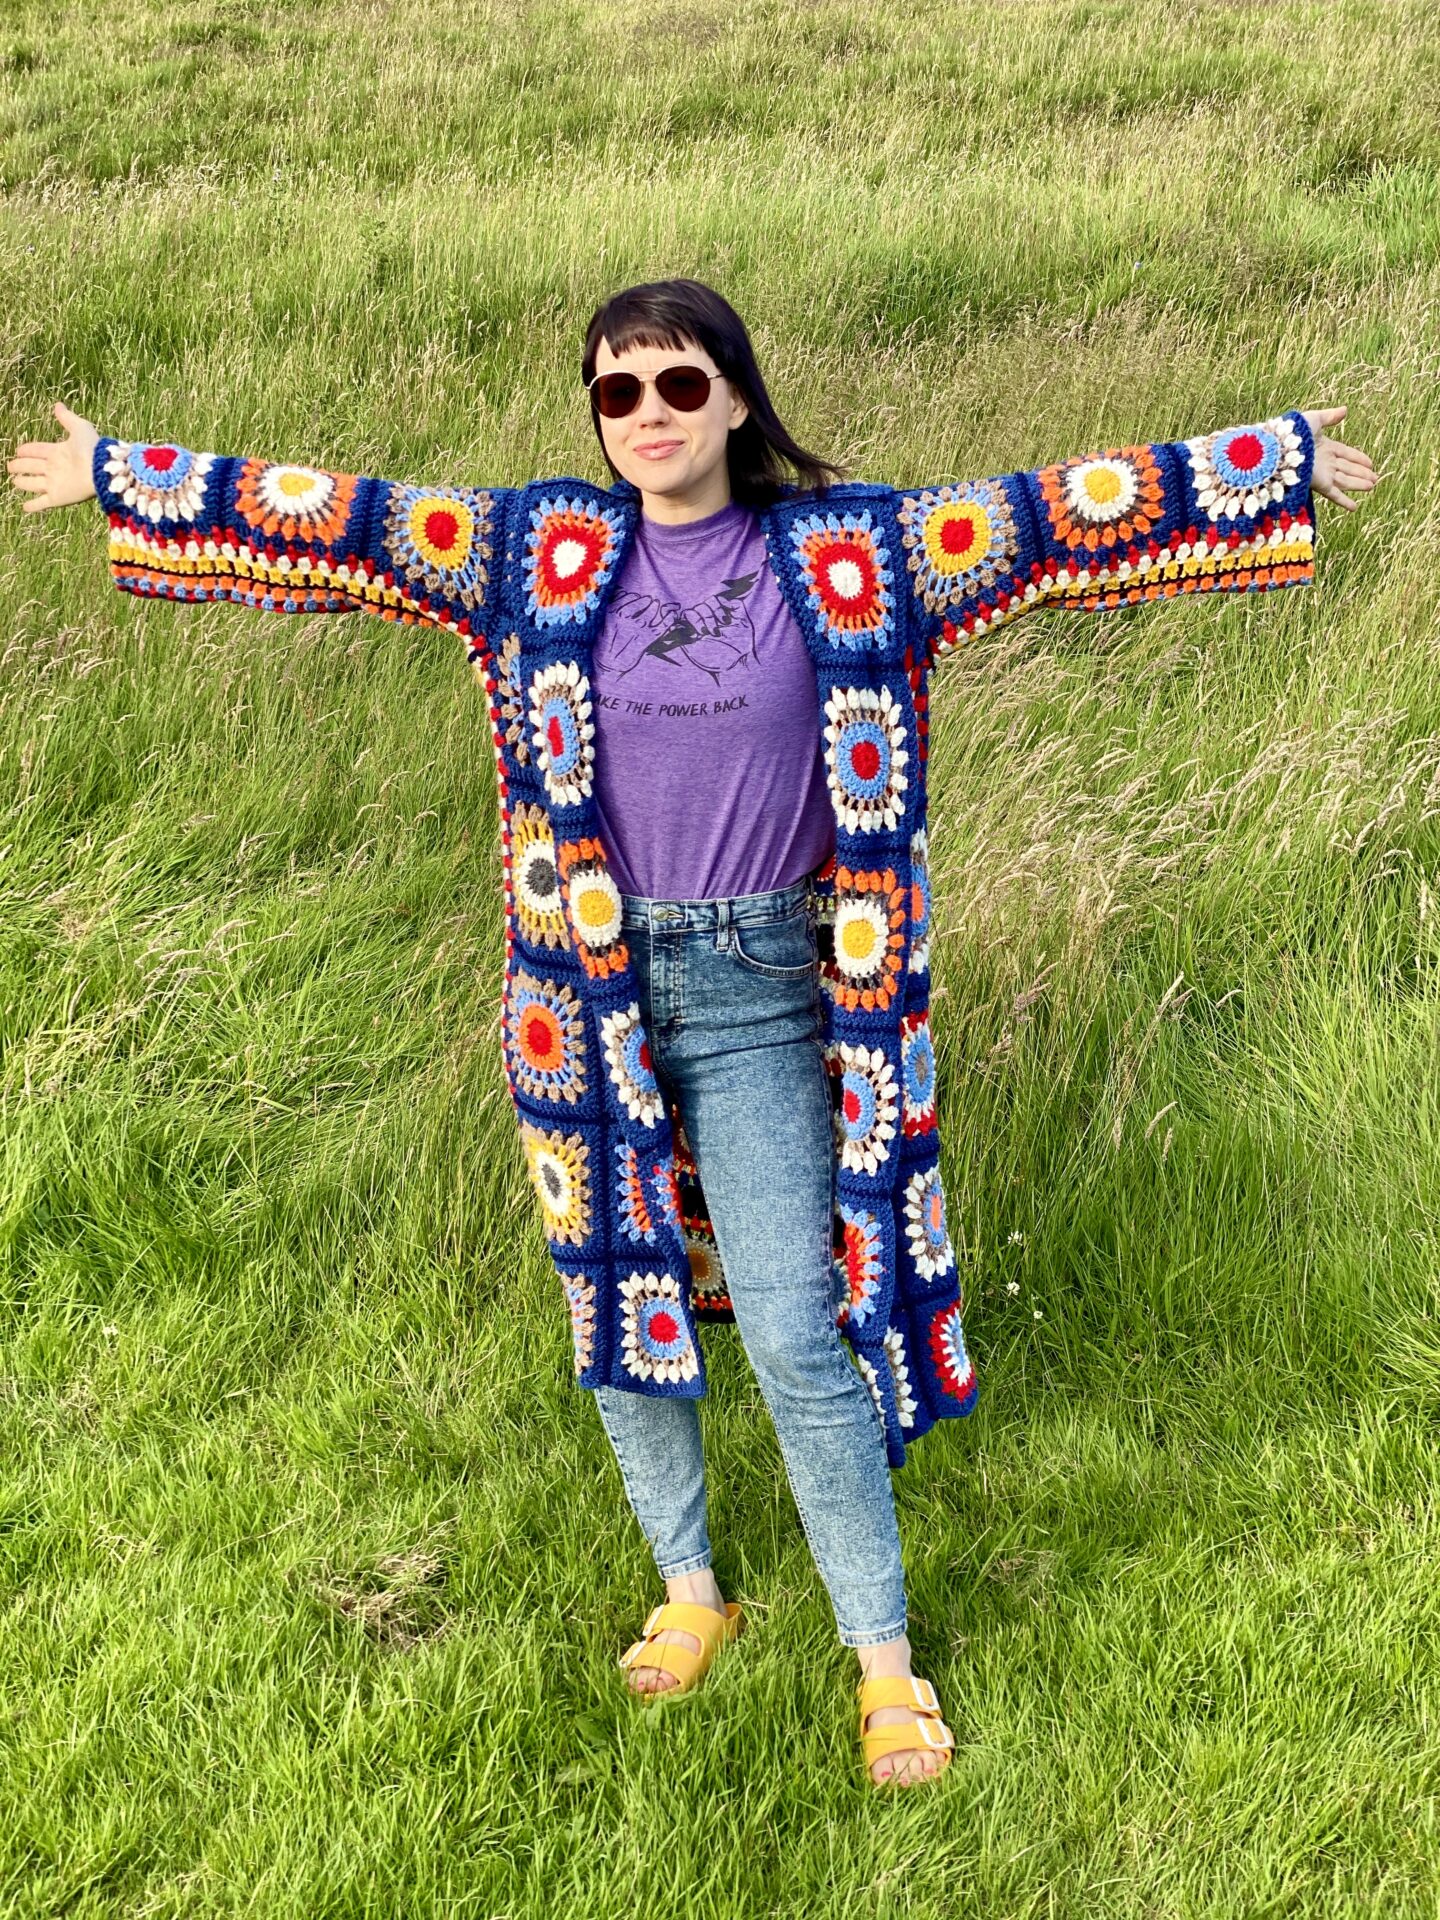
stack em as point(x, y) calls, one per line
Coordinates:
point(278, 537)
point(1231, 509)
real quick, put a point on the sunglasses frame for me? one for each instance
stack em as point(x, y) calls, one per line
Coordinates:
point(647, 380)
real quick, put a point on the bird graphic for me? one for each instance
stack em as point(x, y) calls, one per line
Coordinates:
point(714, 637)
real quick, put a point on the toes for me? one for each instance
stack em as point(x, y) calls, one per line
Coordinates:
point(652, 1679)
point(909, 1764)
point(660, 1679)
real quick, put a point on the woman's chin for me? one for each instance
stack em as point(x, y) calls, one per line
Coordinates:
point(660, 476)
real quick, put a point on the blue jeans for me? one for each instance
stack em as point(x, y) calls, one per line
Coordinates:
point(730, 994)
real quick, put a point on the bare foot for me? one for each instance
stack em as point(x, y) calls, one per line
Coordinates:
point(701, 1589)
point(909, 1765)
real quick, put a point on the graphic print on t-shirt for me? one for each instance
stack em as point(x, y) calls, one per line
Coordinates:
point(705, 642)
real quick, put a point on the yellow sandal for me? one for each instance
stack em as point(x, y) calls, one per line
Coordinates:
point(688, 1666)
point(926, 1730)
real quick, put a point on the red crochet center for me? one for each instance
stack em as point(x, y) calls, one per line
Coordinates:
point(1245, 452)
point(957, 534)
point(442, 529)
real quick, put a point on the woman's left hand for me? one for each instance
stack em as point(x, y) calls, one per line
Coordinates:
point(1339, 470)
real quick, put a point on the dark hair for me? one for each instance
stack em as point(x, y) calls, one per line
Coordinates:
point(675, 313)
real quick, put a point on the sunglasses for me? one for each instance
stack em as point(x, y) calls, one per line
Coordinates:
point(684, 388)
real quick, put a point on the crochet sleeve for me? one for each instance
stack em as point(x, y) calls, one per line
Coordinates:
point(284, 538)
point(1226, 511)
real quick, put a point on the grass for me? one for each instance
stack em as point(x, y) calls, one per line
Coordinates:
point(313, 1563)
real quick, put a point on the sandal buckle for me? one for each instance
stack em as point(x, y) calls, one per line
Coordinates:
point(935, 1733)
point(932, 1703)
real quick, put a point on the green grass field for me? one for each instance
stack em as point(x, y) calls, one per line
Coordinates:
point(314, 1564)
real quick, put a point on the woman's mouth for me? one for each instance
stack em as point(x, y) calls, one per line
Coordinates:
point(660, 450)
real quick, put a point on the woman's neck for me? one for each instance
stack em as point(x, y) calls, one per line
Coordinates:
point(675, 510)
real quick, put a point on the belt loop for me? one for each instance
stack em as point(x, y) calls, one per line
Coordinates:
point(722, 922)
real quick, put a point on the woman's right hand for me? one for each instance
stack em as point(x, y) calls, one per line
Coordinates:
point(57, 472)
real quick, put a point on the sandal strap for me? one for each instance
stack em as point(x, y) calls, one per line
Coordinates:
point(924, 1732)
point(908, 1739)
point(898, 1690)
point(688, 1616)
point(682, 1663)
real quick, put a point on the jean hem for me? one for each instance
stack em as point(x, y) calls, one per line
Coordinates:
point(697, 1563)
point(850, 1637)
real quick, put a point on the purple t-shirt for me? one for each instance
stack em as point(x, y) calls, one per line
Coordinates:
point(710, 777)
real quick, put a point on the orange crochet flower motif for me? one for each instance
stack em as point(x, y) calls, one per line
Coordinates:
point(297, 503)
point(1103, 499)
point(593, 900)
point(868, 937)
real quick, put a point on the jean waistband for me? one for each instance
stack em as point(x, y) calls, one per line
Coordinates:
point(740, 909)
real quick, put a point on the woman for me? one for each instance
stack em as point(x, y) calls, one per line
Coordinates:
point(681, 779)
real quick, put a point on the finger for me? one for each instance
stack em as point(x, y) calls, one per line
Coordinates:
point(30, 482)
point(1348, 470)
point(1355, 456)
point(62, 412)
point(1328, 416)
point(1340, 497)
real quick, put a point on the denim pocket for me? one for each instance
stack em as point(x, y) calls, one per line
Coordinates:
point(781, 949)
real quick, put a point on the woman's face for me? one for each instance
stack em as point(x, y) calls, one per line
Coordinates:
point(688, 447)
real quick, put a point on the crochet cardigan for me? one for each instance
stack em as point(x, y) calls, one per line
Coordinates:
point(884, 583)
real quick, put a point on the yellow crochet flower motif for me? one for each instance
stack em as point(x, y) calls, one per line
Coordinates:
point(559, 1169)
point(539, 902)
point(441, 528)
point(960, 539)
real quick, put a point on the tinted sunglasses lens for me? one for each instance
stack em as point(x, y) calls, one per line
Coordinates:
point(684, 387)
point(617, 394)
